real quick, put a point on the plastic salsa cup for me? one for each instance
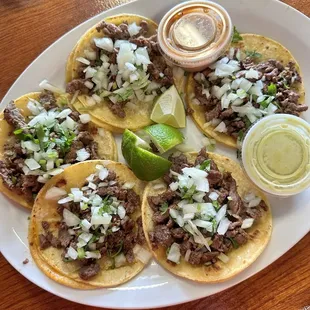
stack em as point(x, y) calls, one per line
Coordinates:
point(276, 154)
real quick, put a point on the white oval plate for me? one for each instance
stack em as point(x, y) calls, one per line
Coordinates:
point(154, 287)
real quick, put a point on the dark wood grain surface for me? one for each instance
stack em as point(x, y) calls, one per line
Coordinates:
point(27, 28)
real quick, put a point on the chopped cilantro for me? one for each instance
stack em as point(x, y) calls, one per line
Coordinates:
point(81, 253)
point(18, 131)
point(119, 250)
point(164, 207)
point(264, 104)
point(206, 165)
point(272, 89)
point(214, 225)
point(93, 239)
point(236, 36)
point(13, 179)
point(247, 122)
point(234, 243)
point(253, 54)
point(41, 135)
point(188, 192)
point(240, 135)
point(216, 205)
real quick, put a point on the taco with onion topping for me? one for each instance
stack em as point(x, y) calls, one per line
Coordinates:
point(40, 137)
point(86, 227)
point(205, 221)
point(117, 72)
point(256, 77)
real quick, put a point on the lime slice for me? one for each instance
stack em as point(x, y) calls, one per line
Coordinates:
point(169, 109)
point(164, 137)
point(145, 165)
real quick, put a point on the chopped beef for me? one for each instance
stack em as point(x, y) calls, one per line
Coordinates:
point(235, 204)
point(129, 241)
point(144, 29)
point(85, 137)
point(209, 103)
point(162, 236)
point(140, 234)
point(157, 201)
point(195, 258)
point(88, 272)
point(160, 218)
point(77, 85)
point(201, 157)
point(63, 235)
point(53, 240)
point(118, 108)
point(130, 257)
point(214, 177)
point(30, 183)
point(209, 256)
point(44, 242)
point(168, 178)
point(25, 261)
point(71, 155)
point(178, 233)
point(133, 201)
point(48, 100)
point(113, 56)
point(13, 116)
point(6, 175)
point(220, 244)
point(114, 240)
point(242, 237)
point(179, 162)
point(127, 224)
point(213, 113)
point(254, 213)
point(45, 225)
point(114, 32)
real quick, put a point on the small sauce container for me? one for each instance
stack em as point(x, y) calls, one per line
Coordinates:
point(194, 34)
point(276, 154)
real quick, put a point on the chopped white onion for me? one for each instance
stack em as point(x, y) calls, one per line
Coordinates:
point(221, 127)
point(82, 154)
point(85, 118)
point(174, 253)
point(128, 185)
point(120, 260)
point(247, 223)
point(32, 164)
point(31, 146)
point(133, 29)
point(221, 213)
point(95, 254)
point(104, 43)
point(224, 258)
point(213, 196)
point(70, 218)
point(254, 202)
point(103, 173)
point(203, 224)
point(223, 226)
point(187, 255)
point(47, 86)
point(83, 60)
point(85, 225)
point(142, 254)
point(54, 193)
point(101, 220)
point(72, 253)
point(121, 211)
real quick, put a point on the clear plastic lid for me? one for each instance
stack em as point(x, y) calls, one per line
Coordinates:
point(276, 154)
point(194, 34)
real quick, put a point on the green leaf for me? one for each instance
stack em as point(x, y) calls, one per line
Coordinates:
point(206, 165)
point(247, 122)
point(264, 104)
point(81, 253)
point(188, 192)
point(253, 54)
point(236, 36)
point(163, 208)
point(216, 205)
point(41, 135)
point(18, 131)
point(234, 243)
point(272, 89)
point(240, 135)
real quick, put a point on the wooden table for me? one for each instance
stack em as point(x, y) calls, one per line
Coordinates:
point(27, 29)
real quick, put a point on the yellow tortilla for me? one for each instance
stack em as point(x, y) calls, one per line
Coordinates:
point(136, 118)
point(240, 258)
point(49, 260)
point(269, 49)
point(106, 143)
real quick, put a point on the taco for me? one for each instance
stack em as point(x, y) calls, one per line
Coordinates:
point(86, 227)
point(118, 71)
point(257, 77)
point(39, 137)
point(205, 221)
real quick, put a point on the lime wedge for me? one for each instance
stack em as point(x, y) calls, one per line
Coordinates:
point(145, 165)
point(169, 109)
point(164, 137)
